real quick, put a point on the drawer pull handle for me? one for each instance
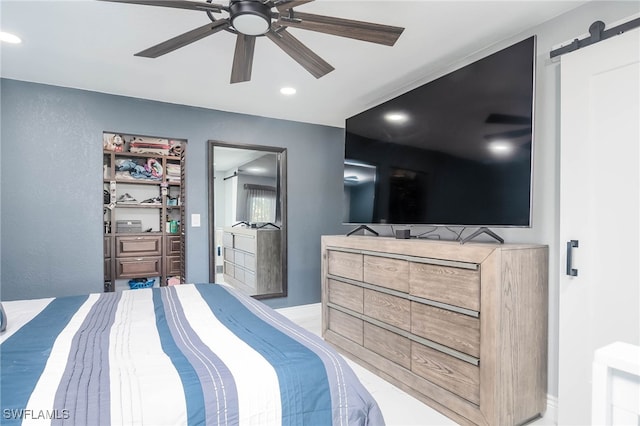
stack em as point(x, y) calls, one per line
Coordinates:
point(139, 259)
point(571, 271)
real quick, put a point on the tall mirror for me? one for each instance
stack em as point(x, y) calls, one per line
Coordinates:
point(248, 218)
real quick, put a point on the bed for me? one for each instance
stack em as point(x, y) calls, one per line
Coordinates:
point(187, 354)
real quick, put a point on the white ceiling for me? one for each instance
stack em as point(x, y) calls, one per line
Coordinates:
point(90, 45)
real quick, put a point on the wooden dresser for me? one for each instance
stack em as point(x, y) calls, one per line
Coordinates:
point(462, 327)
point(252, 260)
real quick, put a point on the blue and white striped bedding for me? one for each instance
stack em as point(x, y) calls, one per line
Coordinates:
point(189, 354)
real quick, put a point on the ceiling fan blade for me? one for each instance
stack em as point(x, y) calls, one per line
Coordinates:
point(184, 39)
point(290, 4)
point(509, 134)
point(300, 53)
point(508, 119)
point(365, 31)
point(243, 58)
point(177, 4)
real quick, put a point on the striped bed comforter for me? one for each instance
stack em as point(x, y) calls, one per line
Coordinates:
point(189, 354)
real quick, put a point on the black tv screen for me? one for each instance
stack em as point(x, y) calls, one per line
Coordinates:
point(454, 151)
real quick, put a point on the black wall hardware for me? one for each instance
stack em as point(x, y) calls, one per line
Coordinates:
point(572, 272)
point(598, 33)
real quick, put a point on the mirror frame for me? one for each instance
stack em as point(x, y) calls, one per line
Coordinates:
point(281, 155)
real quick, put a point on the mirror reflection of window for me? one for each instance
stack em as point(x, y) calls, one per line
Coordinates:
point(261, 203)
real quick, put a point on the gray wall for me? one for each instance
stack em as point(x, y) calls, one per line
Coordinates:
point(51, 156)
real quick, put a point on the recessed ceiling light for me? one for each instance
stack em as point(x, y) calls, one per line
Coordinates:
point(288, 91)
point(9, 38)
point(396, 117)
point(256, 170)
point(501, 147)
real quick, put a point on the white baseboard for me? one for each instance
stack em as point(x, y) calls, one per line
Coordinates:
point(550, 417)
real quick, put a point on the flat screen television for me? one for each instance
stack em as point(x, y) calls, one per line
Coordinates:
point(454, 151)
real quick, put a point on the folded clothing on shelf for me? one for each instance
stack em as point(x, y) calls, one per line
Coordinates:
point(173, 172)
point(149, 145)
point(147, 169)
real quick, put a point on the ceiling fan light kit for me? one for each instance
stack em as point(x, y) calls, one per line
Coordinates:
point(249, 19)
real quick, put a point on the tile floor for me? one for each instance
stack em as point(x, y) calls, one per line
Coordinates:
point(398, 407)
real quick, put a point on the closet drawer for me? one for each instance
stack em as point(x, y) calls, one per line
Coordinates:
point(107, 247)
point(173, 265)
point(346, 325)
point(386, 272)
point(150, 245)
point(107, 269)
point(452, 329)
point(446, 284)
point(453, 374)
point(392, 310)
point(138, 267)
point(173, 246)
point(346, 295)
point(347, 265)
point(388, 344)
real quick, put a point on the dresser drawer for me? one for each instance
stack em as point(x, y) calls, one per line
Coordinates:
point(448, 372)
point(346, 325)
point(250, 279)
point(244, 243)
point(387, 308)
point(173, 245)
point(229, 255)
point(457, 331)
point(454, 286)
point(388, 344)
point(347, 265)
point(238, 274)
point(246, 260)
point(138, 267)
point(386, 272)
point(238, 258)
point(150, 245)
point(227, 239)
point(346, 295)
point(250, 261)
point(229, 269)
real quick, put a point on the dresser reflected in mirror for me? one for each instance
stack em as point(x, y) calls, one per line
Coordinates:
point(247, 214)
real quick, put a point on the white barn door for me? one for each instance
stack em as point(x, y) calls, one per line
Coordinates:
point(599, 202)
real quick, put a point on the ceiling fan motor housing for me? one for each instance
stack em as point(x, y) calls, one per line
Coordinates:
point(250, 17)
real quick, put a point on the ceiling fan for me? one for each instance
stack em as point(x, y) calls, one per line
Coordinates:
point(249, 19)
point(510, 120)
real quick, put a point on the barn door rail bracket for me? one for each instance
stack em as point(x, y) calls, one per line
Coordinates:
point(598, 33)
